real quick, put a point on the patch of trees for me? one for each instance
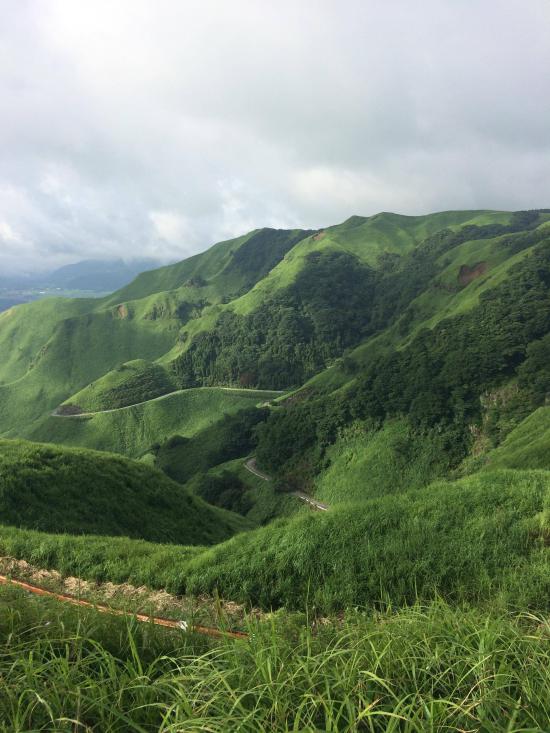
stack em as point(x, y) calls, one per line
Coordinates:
point(291, 337)
point(224, 490)
point(140, 386)
point(437, 380)
point(335, 303)
point(262, 252)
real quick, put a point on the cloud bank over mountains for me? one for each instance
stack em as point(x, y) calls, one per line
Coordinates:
point(152, 129)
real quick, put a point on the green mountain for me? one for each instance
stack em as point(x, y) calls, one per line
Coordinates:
point(385, 353)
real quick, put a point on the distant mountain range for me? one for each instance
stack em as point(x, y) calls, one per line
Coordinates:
point(102, 276)
point(87, 277)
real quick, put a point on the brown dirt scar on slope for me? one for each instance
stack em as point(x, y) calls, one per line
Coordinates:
point(467, 274)
point(122, 311)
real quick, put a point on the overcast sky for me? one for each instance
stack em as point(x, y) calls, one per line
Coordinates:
point(157, 127)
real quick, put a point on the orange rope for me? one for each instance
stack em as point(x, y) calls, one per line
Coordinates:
point(158, 621)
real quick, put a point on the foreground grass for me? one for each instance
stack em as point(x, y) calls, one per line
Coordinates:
point(483, 539)
point(422, 669)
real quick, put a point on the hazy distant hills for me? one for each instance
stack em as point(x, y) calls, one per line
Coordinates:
point(101, 276)
point(86, 277)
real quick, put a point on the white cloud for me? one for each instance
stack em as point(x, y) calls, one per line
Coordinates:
point(169, 226)
point(7, 235)
point(157, 127)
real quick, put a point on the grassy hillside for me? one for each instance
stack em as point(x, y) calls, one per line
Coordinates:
point(232, 486)
point(480, 540)
point(25, 329)
point(80, 350)
point(133, 430)
point(51, 350)
point(79, 491)
point(133, 382)
point(366, 462)
point(476, 539)
point(224, 270)
point(527, 446)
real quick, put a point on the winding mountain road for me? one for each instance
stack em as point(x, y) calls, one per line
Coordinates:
point(251, 466)
point(55, 413)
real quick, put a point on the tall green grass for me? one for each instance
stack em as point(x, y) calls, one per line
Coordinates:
point(478, 539)
point(99, 559)
point(74, 490)
point(365, 463)
point(422, 669)
point(483, 539)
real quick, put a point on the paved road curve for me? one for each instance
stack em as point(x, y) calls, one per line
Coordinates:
point(251, 466)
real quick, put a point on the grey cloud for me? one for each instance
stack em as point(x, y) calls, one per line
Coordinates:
point(143, 128)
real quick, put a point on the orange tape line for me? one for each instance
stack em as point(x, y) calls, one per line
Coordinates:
point(158, 621)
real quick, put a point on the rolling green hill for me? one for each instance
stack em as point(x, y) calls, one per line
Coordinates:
point(133, 382)
point(80, 491)
point(133, 430)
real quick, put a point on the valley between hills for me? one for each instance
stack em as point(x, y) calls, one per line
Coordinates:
point(335, 442)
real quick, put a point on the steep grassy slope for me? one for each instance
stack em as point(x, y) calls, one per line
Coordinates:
point(80, 350)
point(527, 446)
point(482, 539)
point(132, 430)
point(366, 462)
point(63, 490)
point(55, 348)
point(370, 239)
point(477, 539)
point(25, 330)
point(224, 270)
